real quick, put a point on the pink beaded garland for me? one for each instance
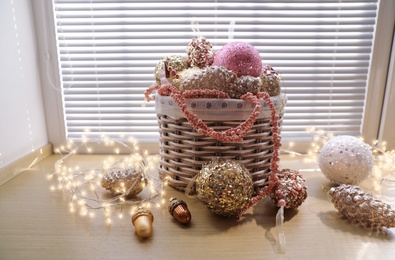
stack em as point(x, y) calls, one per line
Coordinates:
point(233, 134)
point(241, 58)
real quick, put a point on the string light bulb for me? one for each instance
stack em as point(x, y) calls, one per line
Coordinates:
point(84, 185)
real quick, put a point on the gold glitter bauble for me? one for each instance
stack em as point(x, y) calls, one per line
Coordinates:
point(174, 62)
point(270, 81)
point(224, 186)
point(119, 181)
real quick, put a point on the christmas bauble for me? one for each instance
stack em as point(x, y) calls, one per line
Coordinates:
point(270, 81)
point(175, 63)
point(224, 186)
point(241, 58)
point(290, 191)
point(200, 53)
point(346, 159)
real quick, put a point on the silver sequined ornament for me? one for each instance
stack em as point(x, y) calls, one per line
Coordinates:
point(361, 207)
point(175, 63)
point(346, 160)
point(291, 189)
point(224, 186)
point(119, 181)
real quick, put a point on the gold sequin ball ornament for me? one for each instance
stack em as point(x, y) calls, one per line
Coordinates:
point(361, 207)
point(213, 77)
point(142, 220)
point(200, 52)
point(224, 186)
point(175, 64)
point(346, 160)
point(290, 191)
point(270, 81)
point(179, 210)
point(128, 181)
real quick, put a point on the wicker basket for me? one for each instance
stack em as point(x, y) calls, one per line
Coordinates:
point(183, 151)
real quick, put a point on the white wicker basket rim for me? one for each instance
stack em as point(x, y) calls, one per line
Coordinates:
point(217, 109)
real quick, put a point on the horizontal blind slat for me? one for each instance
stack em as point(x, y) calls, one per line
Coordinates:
point(108, 51)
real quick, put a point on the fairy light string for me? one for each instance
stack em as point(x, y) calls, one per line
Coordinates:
point(86, 193)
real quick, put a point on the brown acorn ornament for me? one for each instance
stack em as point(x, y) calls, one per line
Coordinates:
point(179, 210)
point(361, 207)
point(142, 220)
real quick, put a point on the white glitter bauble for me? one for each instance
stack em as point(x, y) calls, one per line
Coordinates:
point(346, 159)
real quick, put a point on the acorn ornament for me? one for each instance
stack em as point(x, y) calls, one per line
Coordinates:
point(361, 207)
point(179, 210)
point(142, 221)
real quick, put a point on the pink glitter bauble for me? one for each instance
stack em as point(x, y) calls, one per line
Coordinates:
point(241, 58)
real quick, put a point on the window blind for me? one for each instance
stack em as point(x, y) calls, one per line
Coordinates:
point(108, 51)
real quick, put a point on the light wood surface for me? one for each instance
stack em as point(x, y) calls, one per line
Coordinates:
point(35, 223)
point(13, 169)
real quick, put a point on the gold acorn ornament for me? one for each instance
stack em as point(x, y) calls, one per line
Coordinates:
point(361, 207)
point(142, 220)
point(127, 181)
point(179, 210)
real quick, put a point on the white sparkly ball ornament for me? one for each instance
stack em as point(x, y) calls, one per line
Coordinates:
point(346, 160)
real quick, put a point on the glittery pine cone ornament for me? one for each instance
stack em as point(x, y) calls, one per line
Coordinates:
point(200, 52)
point(119, 181)
point(290, 191)
point(270, 81)
point(224, 186)
point(245, 84)
point(361, 207)
point(175, 64)
point(213, 77)
point(184, 75)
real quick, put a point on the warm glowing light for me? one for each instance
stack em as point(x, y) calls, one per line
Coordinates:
point(84, 185)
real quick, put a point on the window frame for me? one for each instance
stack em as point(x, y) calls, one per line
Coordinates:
point(374, 123)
